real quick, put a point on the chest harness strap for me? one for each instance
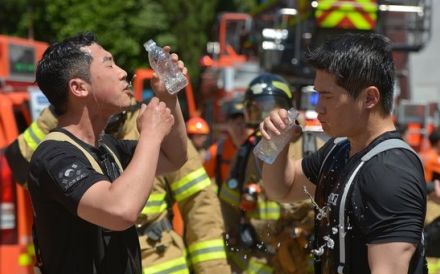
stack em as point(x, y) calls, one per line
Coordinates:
point(59, 136)
point(218, 163)
point(381, 147)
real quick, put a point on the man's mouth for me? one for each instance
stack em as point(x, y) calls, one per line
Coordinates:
point(129, 89)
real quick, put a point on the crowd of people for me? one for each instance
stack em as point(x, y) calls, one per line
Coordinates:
point(105, 191)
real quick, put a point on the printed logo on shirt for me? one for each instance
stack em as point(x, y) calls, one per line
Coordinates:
point(332, 198)
point(72, 174)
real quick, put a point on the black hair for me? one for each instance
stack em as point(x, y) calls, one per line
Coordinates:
point(358, 61)
point(61, 62)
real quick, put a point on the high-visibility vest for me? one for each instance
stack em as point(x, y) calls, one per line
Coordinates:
point(348, 14)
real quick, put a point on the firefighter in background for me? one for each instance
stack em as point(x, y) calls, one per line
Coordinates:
point(431, 164)
point(163, 250)
point(219, 156)
point(431, 158)
point(198, 130)
point(264, 236)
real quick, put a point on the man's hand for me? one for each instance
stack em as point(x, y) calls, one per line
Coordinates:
point(155, 118)
point(158, 85)
point(276, 122)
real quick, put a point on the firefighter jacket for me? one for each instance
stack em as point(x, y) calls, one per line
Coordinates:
point(279, 230)
point(19, 153)
point(218, 159)
point(431, 164)
point(202, 248)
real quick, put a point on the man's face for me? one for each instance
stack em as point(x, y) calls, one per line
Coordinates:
point(199, 140)
point(237, 128)
point(109, 86)
point(337, 111)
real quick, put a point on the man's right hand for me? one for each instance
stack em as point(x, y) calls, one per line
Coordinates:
point(276, 122)
point(155, 118)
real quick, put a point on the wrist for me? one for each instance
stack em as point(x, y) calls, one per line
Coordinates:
point(169, 100)
point(149, 137)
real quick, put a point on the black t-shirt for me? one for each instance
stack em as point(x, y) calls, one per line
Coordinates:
point(59, 175)
point(387, 202)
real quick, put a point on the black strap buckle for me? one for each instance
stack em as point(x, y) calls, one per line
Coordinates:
point(154, 231)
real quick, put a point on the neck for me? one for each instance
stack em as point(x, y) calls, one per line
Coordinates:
point(88, 128)
point(373, 129)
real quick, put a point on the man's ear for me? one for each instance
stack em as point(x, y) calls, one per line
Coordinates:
point(78, 87)
point(372, 97)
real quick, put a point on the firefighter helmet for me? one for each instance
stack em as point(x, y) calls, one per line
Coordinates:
point(197, 125)
point(234, 107)
point(264, 93)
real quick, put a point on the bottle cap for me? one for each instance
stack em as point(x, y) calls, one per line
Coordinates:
point(149, 45)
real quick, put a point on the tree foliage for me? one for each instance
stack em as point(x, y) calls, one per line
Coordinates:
point(122, 26)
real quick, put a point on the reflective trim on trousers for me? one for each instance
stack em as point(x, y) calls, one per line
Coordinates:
point(256, 267)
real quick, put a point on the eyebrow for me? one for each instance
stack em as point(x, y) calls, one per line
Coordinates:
point(107, 58)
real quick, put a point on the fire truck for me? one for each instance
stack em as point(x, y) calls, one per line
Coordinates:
point(18, 59)
point(282, 31)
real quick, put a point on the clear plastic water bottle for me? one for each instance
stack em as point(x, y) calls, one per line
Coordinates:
point(268, 150)
point(165, 68)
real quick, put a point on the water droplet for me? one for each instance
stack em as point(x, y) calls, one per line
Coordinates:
point(318, 252)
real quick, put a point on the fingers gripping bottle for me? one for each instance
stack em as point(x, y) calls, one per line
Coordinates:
point(165, 68)
point(268, 150)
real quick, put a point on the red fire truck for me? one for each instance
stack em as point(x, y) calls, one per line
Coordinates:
point(18, 59)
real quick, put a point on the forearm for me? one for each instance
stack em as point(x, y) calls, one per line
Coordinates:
point(278, 177)
point(174, 144)
point(132, 188)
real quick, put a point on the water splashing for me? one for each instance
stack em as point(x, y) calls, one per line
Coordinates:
point(322, 212)
point(328, 242)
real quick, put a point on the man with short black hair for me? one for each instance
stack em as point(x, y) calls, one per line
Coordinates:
point(369, 187)
point(88, 188)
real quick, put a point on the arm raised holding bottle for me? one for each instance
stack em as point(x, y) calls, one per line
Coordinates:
point(174, 145)
point(284, 179)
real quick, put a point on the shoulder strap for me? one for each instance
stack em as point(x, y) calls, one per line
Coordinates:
point(59, 136)
point(336, 141)
point(118, 163)
point(241, 160)
point(379, 148)
point(219, 162)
